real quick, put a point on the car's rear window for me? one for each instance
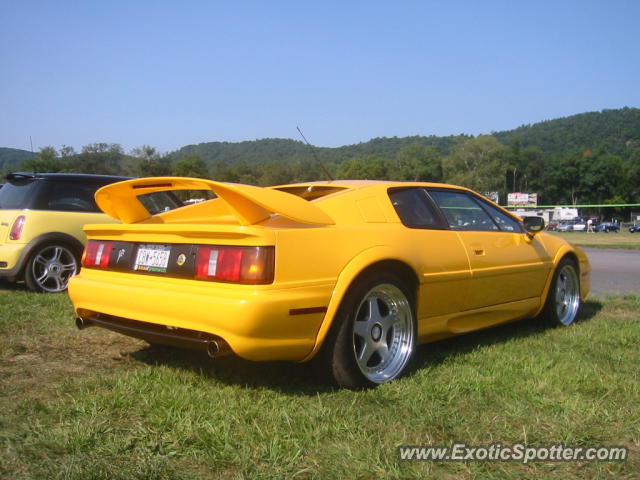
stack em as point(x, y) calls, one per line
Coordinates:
point(16, 195)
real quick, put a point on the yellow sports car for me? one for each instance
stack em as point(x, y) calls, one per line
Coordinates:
point(351, 274)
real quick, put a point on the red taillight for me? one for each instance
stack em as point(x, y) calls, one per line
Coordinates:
point(16, 229)
point(250, 265)
point(97, 254)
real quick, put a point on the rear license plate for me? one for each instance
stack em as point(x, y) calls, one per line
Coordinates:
point(152, 258)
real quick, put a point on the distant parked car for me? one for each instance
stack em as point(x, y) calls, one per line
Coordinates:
point(565, 227)
point(607, 227)
point(634, 228)
point(579, 226)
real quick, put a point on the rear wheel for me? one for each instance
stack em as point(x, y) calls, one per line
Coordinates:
point(373, 335)
point(50, 267)
point(563, 299)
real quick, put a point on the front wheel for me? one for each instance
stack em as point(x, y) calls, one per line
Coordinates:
point(373, 334)
point(563, 300)
point(50, 267)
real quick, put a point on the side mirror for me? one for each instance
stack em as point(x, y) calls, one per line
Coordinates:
point(533, 225)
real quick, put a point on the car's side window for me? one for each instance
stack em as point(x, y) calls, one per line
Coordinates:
point(504, 221)
point(462, 212)
point(414, 208)
point(71, 197)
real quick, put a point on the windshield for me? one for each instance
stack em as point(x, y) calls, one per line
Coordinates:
point(16, 195)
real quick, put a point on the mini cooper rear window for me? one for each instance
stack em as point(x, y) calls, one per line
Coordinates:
point(15, 195)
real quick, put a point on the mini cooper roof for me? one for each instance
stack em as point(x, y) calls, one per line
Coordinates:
point(74, 177)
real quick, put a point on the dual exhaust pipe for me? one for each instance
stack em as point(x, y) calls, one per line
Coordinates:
point(214, 348)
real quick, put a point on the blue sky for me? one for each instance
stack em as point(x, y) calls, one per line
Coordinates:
point(170, 74)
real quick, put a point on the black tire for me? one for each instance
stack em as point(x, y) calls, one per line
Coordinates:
point(373, 334)
point(50, 266)
point(563, 300)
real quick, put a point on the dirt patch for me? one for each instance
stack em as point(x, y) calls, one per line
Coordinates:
point(35, 367)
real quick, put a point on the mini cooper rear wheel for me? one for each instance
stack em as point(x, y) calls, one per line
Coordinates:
point(563, 299)
point(50, 267)
point(374, 336)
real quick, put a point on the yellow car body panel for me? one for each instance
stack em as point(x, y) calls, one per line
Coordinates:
point(464, 280)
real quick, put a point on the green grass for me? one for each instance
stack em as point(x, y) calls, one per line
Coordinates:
point(625, 240)
point(96, 405)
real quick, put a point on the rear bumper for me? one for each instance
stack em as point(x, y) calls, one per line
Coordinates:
point(11, 259)
point(256, 322)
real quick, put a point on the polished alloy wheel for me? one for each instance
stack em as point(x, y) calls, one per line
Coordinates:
point(383, 331)
point(567, 294)
point(52, 267)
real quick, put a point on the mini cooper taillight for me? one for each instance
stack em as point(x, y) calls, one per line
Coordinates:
point(249, 265)
point(16, 228)
point(97, 254)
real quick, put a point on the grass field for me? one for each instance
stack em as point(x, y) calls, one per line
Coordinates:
point(96, 405)
point(625, 240)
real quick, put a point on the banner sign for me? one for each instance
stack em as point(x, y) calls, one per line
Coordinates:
point(522, 199)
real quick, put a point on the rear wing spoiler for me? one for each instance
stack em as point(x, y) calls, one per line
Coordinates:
point(248, 204)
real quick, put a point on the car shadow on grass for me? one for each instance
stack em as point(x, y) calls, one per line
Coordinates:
point(7, 286)
point(437, 352)
point(301, 379)
point(286, 377)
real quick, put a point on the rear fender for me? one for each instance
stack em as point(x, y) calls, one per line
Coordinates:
point(346, 278)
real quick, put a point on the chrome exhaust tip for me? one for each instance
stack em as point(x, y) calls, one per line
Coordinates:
point(83, 323)
point(218, 348)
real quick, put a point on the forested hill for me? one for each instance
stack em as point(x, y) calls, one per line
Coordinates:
point(590, 158)
point(273, 149)
point(11, 157)
point(616, 131)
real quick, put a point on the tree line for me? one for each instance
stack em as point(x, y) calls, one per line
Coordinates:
point(599, 164)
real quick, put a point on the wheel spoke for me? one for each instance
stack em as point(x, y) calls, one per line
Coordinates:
point(43, 278)
point(57, 254)
point(365, 355)
point(69, 267)
point(383, 350)
point(388, 322)
point(374, 309)
point(361, 328)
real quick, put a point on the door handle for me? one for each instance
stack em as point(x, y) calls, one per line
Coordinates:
point(478, 251)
